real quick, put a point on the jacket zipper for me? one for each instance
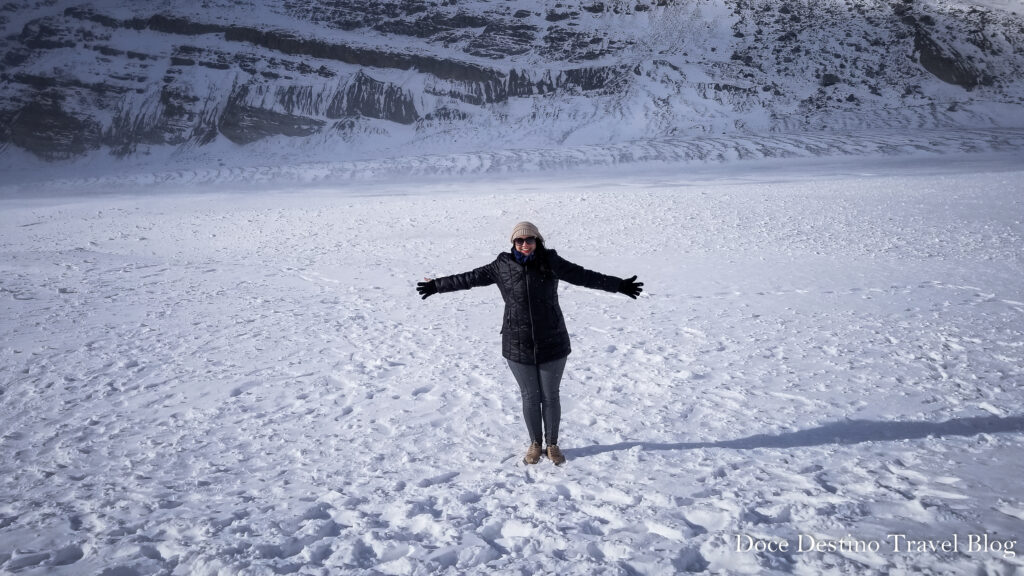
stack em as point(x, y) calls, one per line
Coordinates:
point(529, 307)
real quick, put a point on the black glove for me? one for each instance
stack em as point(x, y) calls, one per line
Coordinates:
point(429, 287)
point(630, 287)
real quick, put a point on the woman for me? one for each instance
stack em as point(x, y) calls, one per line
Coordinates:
point(534, 339)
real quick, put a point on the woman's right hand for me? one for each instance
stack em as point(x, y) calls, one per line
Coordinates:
point(426, 288)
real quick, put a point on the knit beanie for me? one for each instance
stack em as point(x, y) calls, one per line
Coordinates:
point(525, 230)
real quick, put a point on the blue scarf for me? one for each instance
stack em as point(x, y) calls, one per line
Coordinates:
point(520, 257)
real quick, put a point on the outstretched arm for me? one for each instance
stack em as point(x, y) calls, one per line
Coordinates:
point(482, 276)
point(576, 274)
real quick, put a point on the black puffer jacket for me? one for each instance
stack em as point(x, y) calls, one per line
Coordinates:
point(533, 330)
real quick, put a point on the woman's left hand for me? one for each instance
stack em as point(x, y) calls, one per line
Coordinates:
point(630, 287)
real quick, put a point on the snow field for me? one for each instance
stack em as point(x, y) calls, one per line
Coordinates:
point(248, 383)
point(280, 163)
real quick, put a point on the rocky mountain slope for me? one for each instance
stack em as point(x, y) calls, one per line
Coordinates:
point(351, 79)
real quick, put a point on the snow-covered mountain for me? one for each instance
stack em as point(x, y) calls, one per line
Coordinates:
point(357, 79)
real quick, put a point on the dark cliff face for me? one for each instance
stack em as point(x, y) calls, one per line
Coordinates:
point(80, 77)
point(944, 62)
point(47, 130)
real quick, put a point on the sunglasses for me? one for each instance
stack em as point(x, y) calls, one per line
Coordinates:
point(528, 240)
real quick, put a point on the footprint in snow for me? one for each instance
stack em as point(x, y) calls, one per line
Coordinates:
point(242, 389)
point(440, 479)
point(65, 556)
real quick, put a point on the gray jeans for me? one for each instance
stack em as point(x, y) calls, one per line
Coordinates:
point(538, 385)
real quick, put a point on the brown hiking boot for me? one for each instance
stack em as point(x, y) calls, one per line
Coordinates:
point(555, 455)
point(532, 454)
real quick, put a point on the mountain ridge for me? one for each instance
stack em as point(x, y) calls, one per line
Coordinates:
point(348, 79)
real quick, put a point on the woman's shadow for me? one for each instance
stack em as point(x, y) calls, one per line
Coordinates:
point(845, 432)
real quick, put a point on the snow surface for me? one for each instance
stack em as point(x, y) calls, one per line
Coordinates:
point(246, 382)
